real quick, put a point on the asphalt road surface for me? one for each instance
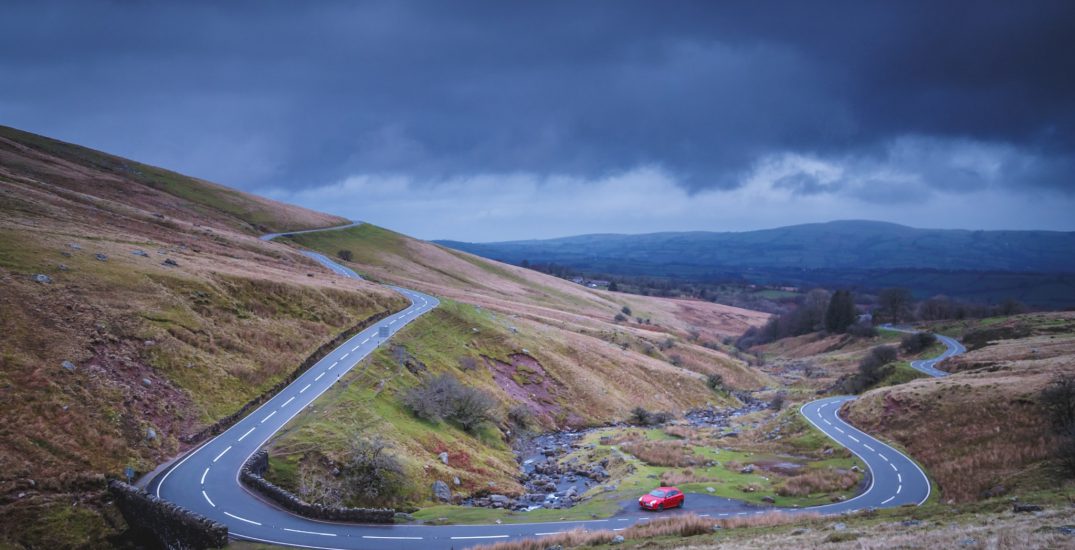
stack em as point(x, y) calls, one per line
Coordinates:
point(206, 480)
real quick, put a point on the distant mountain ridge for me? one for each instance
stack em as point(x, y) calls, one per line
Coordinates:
point(850, 244)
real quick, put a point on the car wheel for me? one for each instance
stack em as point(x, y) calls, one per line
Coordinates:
point(660, 507)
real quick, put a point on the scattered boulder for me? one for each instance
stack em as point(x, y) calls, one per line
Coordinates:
point(748, 469)
point(147, 382)
point(441, 491)
point(141, 253)
point(63, 267)
point(443, 458)
point(151, 434)
point(911, 522)
point(42, 278)
point(170, 263)
point(710, 490)
point(618, 539)
point(499, 500)
point(1020, 508)
point(74, 246)
point(768, 499)
point(456, 482)
point(101, 257)
point(838, 527)
point(69, 366)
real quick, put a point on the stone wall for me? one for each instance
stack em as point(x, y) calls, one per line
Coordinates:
point(255, 468)
point(226, 422)
point(172, 526)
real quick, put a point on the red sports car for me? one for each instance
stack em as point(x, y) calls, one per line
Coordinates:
point(661, 498)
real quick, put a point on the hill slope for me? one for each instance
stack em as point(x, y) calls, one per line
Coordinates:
point(158, 313)
point(1036, 267)
point(139, 307)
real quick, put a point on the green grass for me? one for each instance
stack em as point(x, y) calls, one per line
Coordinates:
point(899, 373)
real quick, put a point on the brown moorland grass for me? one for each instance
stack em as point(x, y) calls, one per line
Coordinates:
point(980, 431)
point(158, 351)
point(672, 453)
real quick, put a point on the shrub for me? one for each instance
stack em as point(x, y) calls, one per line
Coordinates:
point(917, 342)
point(371, 476)
point(871, 369)
point(642, 417)
point(445, 398)
point(626, 310)
point(715, 382)
point(1058, 399)
point(777, 403)
point(620, 318)
point(345, 255)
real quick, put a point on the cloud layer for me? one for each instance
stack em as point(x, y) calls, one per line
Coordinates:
point(879, 109)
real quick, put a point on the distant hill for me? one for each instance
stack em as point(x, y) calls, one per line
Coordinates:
point(973, 264)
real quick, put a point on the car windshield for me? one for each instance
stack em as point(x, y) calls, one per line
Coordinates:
point(656, 493)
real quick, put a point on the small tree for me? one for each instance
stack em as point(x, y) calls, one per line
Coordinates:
point(895, 303)
point(841, 312)
point(345, 255)
point(626, 310)
point(613, 287)
point(471, 408)
point(371, 475)
point(640, 416)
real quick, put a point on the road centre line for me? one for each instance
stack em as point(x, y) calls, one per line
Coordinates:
point(287, 402)
point(310, 532)
point(252, 522)
point(263, 420)
point(221, 454)
point(481, 537)
point(207, 499)
point(205, 473)
point(242, 437)
point(306, 388)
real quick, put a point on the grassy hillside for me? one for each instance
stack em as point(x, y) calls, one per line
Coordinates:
point(118, 355)
point(982, 431)
point(526, 338)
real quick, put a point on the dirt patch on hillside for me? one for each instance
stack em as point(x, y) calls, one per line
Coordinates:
point(527, 383)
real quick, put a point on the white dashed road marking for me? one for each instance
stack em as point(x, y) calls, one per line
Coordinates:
point(310, 532)
point(889, 499)
point(263, 420)
point(481, 537)
point(207, 499)
point(221, 454)
point(306, 388)
point(250, 521)
point(242, 437)
point(205, 473)
point(319, 377)
point(869, 447)
point(288, 402)
point(390, 538)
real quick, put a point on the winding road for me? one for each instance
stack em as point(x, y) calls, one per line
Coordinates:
point(206, 480)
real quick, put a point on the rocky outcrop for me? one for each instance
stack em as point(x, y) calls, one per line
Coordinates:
point(251, 476)
point(170, 525)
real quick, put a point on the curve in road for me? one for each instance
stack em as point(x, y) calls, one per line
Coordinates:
point(206, 480)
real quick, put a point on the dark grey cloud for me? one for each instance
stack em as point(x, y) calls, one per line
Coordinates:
point(295, 95)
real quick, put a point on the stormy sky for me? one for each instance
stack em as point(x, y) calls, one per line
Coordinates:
point(504, 120)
